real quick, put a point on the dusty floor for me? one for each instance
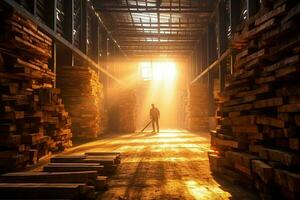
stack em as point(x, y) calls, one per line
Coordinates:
point(172, 164)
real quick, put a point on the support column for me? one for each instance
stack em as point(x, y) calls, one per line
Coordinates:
point(194, 64)
point(34, 8)
point(83, 23)
point(204, 63)
point(211, 56)
point(68, 58)
point(235, 7)
point(94, 39)
point(222, 42)
point(51, 20)
point(104, 61)
point(234, 14)
point(252, 7)
point(197, 54)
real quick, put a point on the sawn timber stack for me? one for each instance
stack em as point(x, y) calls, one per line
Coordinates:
point(82, 93)
point(33, 120)
point(196, 108)
point(65, 177)
point(257, 141)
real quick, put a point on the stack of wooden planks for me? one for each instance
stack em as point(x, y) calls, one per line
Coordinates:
point(196, 108)
point(127, 111)
point(65, 177)
point(257, 141)
point(32, 116)
point(82, 93)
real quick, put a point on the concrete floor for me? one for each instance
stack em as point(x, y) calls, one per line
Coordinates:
point(172, 164)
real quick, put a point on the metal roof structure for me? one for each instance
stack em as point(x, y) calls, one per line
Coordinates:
point(155, 27)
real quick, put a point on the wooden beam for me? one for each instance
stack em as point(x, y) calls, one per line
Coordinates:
point(210, 67)
point(142, 43)
point(184, 35)
point(145, 24)
point(169, 28)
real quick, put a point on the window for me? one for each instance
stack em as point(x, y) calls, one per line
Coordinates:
point(146, 71)
point(158, 71)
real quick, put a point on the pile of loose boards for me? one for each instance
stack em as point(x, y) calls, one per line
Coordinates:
point(73, 177)
point(83, 96)
point(196, 108)
point(33, 120)
point(257, 140)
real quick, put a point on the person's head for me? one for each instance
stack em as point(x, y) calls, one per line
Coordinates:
point(152, 105)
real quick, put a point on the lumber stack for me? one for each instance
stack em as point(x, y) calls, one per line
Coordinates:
point(257, 138)
point(65, 177)
point(32, 117)
point(104, 163)
point(127, 111)
point(82, 94)
point(56, 121)
point(196, 109)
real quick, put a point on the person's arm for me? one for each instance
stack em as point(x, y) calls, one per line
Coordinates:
point(158, 113)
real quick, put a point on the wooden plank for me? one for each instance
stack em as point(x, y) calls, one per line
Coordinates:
point(270, 121)
point(104, 153)
point(272, 102)
point(294, 143)
point(71, 167)
point(228, 143)
point(245, 129)
point(67, 158)
point(273, 13)
point(286, 158)
point(289, 108)
point(104, 159)
point(49, 177)
point(49, 190)
point(87, 177)
point(243, 120)
point(263, 170)
point(287, 180)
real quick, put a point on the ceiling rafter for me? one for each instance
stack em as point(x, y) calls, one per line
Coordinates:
point(156, 26)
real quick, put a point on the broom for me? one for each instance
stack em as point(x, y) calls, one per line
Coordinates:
point(146, 126)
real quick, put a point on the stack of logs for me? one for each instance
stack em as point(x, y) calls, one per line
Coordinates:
point(82, 94)
point(127, 111)
point(257, 139)
point(65, 177)
point(32, 116)
point(196, 108)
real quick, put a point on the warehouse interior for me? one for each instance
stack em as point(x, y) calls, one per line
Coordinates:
point(149, 99)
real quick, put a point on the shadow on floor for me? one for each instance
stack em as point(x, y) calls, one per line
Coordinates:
point(237, 191)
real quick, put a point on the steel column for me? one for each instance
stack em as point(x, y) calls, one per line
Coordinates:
point(252, 7)
point(84, 23)
point(234, 15)
point(222, 41)
point(68, 30)
point(211, 56)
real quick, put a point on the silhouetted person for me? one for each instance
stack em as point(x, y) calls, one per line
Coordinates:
point(154, 115)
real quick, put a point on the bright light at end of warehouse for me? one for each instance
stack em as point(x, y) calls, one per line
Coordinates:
point(158, 71)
